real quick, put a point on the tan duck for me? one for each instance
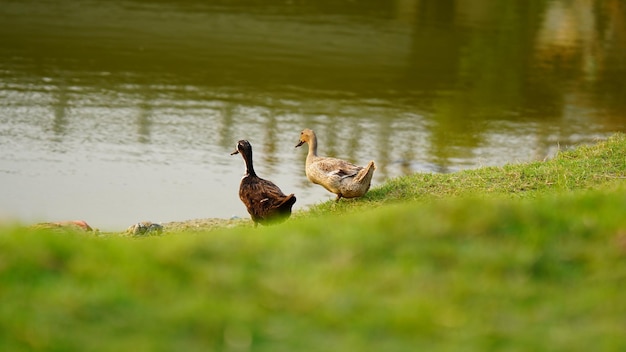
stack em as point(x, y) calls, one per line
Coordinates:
point(338, 176)
point(265, 202)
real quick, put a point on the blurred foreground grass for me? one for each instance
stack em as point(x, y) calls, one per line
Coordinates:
point(523, 257)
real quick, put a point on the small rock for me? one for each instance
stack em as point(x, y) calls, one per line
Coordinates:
point(144, 228)
point(80, 225)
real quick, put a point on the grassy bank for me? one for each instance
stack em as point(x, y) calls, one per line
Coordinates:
point(585, 167)
point(522, 257)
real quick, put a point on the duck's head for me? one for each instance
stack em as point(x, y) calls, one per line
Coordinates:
point(243, 147)
point(306, 136)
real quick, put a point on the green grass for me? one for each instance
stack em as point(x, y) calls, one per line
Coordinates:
point(522, 257)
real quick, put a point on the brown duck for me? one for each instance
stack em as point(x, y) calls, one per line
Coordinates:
point(338, 176)
point(265, 202)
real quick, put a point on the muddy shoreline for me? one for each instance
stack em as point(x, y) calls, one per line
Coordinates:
point(147, 228)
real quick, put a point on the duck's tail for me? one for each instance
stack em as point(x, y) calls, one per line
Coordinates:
point(287, 203)
point(365, 175)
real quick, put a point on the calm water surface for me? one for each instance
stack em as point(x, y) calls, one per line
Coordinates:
point(120, 111)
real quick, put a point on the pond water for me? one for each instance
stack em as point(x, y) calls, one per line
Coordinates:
point(127, 110)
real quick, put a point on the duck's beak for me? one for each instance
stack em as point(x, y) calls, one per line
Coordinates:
point(299, 144)
point(235, 152)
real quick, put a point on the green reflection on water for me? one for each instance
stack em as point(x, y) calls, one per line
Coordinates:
point(458, 64)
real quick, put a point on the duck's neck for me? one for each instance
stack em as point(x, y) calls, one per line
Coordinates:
point(313, 146)
point(247, 157)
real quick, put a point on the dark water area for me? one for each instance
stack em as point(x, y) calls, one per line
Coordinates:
point(121, 111)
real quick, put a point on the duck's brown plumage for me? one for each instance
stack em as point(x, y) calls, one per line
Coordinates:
point(264, 200)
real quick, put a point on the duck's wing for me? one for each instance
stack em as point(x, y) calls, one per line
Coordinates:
point(338, 167)
point(286, 202)
point(263, 198)
point(268, 194)
point(272, 202)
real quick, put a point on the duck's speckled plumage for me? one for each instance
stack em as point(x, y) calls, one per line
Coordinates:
point(264, 200)
point(338, 176)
